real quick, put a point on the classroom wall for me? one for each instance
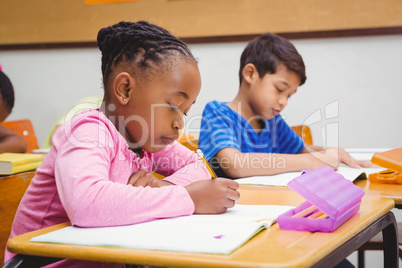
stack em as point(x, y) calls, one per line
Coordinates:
point(65, 21)
point(357, 81)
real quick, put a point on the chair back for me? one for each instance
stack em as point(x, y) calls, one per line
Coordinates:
point(191, 144)
point(188, 140)
point(25, 129)
point(304, 132)
point(12, 188)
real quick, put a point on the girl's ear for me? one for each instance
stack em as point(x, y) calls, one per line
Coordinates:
point(123, 85)
point(250, 73)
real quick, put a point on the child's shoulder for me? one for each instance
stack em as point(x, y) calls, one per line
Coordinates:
point(87, 128)
point(217, 107)
point(88, 119)
point(215, 104)
point(87, 115)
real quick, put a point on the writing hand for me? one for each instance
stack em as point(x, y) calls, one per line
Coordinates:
point(213, 196)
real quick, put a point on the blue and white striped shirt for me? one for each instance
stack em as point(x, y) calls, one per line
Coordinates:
point(221, 127)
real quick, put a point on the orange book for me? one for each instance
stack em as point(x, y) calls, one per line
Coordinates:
point(392, 160)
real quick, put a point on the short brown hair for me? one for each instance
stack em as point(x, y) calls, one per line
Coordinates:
point(269, 50)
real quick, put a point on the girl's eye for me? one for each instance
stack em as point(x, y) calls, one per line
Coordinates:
point(173, 108)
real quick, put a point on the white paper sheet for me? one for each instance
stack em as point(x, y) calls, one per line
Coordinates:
point(364, 154)
point(283, 179)
point(220, 234)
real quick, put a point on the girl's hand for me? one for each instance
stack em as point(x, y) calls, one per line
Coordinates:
point(143, 178)
point(213, 196)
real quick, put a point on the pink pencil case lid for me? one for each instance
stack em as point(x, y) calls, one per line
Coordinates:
point(327, 190)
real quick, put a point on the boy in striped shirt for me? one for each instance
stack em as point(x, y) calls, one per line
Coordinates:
point(247, 136)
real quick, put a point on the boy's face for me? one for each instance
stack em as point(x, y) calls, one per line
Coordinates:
point(269, 95)
point(158, 107)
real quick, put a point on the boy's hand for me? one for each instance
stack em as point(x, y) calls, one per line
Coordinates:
point(213, 196)
point(329, 157)
point(143, 178)
point(334, 156)
point(347, 159)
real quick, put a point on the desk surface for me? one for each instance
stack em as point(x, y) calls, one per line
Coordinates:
point(12, 188)
point(393, 191)
point(270, 248)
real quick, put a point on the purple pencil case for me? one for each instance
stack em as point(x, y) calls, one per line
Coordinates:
point(330, 193)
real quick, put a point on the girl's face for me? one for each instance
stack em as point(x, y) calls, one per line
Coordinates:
point(270, 94)
point(155, 110)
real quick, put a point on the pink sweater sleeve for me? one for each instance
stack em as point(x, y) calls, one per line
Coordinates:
point(180, 165)
point(92, 199)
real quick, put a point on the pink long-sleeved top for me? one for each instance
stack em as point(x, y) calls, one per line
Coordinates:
point(83, 179)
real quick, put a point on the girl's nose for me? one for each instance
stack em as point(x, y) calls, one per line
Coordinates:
point(178, 123)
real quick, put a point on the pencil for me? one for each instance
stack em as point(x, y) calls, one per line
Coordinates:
point(323, 216)
point(319, 215)
point(201, 154)
point(305, 212)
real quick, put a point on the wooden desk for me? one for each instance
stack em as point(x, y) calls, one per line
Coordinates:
point(270, 248)
point(12, 188)
point(393, 191)
point(264, 187)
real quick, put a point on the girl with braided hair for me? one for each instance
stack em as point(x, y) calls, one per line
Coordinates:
point(98, 171)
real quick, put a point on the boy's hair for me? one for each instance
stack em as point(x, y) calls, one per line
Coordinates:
point(146, 47)
point(269, 50)
point(6, 91)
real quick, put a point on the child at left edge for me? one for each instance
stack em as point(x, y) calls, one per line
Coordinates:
point(10, 142)
point(98, 171)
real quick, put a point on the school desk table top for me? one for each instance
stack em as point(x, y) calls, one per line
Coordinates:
point(270, 248)
point(393, 191)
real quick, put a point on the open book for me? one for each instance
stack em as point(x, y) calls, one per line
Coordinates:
point(365, 153)
point(283, 179)
point(220, 233)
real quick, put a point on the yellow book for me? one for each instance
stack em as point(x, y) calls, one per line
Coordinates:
point(12, 163)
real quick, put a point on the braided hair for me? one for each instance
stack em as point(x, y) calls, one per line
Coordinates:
point(146, 47)
point(6, 91)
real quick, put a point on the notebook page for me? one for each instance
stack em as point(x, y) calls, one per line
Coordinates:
point(220, 234)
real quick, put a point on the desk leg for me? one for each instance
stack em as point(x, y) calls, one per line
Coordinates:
point(387, 225)
point(398, 206)
point(26, 261)
point(391, 243)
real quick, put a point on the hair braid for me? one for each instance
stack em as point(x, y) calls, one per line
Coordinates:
point(146, 45)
